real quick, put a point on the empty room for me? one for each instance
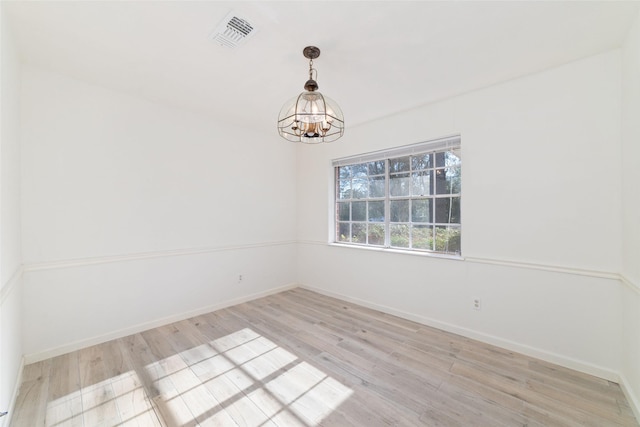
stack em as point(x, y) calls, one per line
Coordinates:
point(319, 213)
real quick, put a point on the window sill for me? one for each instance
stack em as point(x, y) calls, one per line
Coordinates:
point(398, 251)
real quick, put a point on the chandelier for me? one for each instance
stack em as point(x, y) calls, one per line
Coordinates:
point(311, 117)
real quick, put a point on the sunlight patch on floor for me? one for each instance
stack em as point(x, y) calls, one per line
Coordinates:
point(253, 380)
point(242, 378)
point(116, 401)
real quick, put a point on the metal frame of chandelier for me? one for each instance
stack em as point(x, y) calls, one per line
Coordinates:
point(311, 117)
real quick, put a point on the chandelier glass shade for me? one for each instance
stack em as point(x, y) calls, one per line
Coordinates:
point(311, 117)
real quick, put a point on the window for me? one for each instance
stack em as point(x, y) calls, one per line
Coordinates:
point(406, 198)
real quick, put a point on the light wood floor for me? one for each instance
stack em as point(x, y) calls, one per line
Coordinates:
point(302, 359)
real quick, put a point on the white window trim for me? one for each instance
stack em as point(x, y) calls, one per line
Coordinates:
point(405, 150)
point(397, 251)
point(440, 144)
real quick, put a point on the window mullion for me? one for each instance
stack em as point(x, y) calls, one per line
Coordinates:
point(432, 196)
point(387, 207)
point(410, 224)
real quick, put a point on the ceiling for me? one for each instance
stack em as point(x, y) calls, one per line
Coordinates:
point(377, 58)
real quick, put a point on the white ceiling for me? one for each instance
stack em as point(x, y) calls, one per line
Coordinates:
point(377, 57)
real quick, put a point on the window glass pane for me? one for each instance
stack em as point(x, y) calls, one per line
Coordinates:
point(448, 239)
point(376, 186)
point(452, 158)
point(422, 237)
point(376, 168)
point(359, 171)
point(376, 234)
point(400, 164)
point(399, 210)
point(359, 233)
point(399, 235)
point(344, 232)
point(448, 210)
point(448, 181)
point(453, 176)
point(376, 211)
point(441, 182)
point(421, 183)
point(421, 210)
point(455, 210)
point(344, 189)
point(359, 211)
point(442, 210)
point(421, 161)
point(399, 185)
point(344, 172)
point(360, 188)
point(343, 211)
point(448, 158)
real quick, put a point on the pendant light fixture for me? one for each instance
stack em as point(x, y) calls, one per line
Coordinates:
point(311, 117)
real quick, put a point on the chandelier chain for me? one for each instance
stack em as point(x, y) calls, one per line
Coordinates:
point(311, 70)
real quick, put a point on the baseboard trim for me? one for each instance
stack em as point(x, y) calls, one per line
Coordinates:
point(77, 345)
point(547, 356)
point(634, 402)
point(6, 421)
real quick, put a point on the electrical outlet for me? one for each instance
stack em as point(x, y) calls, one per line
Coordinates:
point(240, 278)
point(477, 304)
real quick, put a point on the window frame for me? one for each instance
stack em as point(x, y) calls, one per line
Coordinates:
point(431, 148)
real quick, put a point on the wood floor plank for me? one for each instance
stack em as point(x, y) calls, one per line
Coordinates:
point(32, 401)
point(131, 398)
point(152, 372)
point(301, 359)
point(98, 397)
point(64, 405)
point(133, 403)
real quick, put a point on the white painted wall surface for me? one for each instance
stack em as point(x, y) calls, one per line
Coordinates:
point(11, 349)
point(109, 174)
point(71, 307)
point(631, 210)
point(541, 186)
point(108, 177)
point(10, 157)
point(10, 251)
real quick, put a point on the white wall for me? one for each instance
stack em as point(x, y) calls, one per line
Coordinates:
point(631, 211)
point(10, 252)
point(134, 212)
point(541, 218)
